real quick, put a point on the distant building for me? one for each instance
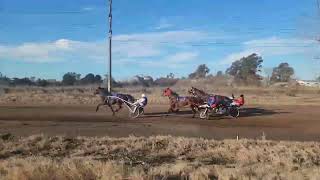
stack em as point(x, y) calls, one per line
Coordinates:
point(141, 79)
point(308, 83)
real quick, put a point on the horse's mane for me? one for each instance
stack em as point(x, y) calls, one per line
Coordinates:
point(173, 93)
point(104, 92)
point(200, 91)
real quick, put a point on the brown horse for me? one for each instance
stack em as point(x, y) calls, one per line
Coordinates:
point(224, 100)
point(177, 101)
point(199, 93)
point(108, 101)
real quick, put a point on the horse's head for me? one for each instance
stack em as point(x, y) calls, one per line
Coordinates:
point(192, 91)
point(167, 92)
point(98, 90)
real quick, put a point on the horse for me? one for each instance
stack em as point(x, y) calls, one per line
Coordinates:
point(108, 101)
point(199, 93)
point(224, 100)
point(177, 101)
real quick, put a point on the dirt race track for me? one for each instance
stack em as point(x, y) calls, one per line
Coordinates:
point(277, 122)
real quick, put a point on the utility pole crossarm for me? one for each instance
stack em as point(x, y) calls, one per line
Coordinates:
point(110, 44)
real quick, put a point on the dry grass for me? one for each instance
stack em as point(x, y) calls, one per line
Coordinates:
point(40, 157)
point(84, 95)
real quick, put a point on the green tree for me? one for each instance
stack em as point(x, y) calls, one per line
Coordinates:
point(200, 72)
point(282, 73)
point(42, 82)
point(22, 82)
point(98, 79)
point(70, 78)
point(4, 80)
point(318, 79)
point(88, 79)
point(246, 68)
point(219, 74)
point(170, 76)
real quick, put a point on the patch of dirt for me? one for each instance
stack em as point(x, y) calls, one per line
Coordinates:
point(273, 122)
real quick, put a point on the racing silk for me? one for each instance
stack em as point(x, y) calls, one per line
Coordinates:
point(142, 101)
point(181, 98)
point(239, 101)
point(211, 101)
point(114, 94)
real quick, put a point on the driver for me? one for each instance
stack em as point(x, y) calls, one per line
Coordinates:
point(142, 102)
point(240, 100)
point(213, 101)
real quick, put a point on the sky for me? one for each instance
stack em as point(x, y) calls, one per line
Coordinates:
point(46, 38)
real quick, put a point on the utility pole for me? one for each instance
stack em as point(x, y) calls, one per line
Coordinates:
point(318, 6)
point(110, 43)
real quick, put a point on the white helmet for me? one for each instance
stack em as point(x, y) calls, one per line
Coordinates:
point(143, 95)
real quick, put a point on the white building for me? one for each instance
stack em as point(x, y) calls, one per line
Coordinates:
point(308, 83)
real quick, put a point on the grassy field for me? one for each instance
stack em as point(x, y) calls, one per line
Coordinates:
point(159, 157)
point(84, 95)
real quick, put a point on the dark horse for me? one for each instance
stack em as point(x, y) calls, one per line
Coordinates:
point(199, 93)
point(204, 96)
point(107, 101)
point(177, 101)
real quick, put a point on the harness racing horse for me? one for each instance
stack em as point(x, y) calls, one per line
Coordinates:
point(199, 93)
point(177, 101)
point(107, 101)
point(224, 100)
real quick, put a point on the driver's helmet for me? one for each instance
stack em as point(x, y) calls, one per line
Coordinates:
point(143, 95)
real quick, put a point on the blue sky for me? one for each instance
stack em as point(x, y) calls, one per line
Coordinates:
point(46, 38)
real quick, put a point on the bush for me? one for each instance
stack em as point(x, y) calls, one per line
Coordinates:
point(166, 82)
point(42, 83)
point(69, 79)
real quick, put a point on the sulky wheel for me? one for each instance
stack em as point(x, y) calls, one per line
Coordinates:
point(234, 111)
point(204, 113)
point(139, 111)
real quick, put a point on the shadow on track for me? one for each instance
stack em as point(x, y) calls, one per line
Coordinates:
point(244, 112)
point(251, 112)
point(166, 114)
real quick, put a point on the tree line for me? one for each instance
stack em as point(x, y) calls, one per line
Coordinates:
point(68, 79)
point(246, 70)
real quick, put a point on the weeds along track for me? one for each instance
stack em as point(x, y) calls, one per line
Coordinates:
point(60, 157)
point(84, 95)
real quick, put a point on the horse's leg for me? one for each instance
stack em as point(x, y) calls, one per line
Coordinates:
point(98, 106)
point(110, 106)
point(170, 110)
point(172, 107)
point(106, 103)
point(176, 107)
point(119, 107)
point(193, 110)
